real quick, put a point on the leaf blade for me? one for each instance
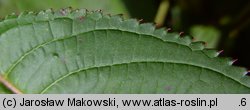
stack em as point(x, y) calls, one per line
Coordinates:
point(62, 51)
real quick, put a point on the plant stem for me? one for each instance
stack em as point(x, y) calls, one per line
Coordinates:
point(162, 12)
point(9, 85)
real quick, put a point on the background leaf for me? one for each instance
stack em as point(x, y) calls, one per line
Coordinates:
point(108, 6)
point(208, 34)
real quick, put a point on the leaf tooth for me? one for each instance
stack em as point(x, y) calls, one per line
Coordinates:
point(228, 60)
point(247, 73)
point(233, 61)
point(41, 13)
point(95, 16)
point(220, 52)
point(210, 52)
point(76, 10)
point(31, 12)
point(23, 14)
point(50, 10)
point(69, 8)
point(155, 25)
point(186, 40)
point(147, 28)
point(140, 20)
point(26, 17)
point(199, 45)
point(169, 30)
point(87, 10)
point(181, 34)
point(115, 21)
point(130, 24)
point(99, 11)
point(11, 16)
point(117, 17)
point(43, 16)
point(78, 13)
point(172, 36)
point(204, 43)
point(161, 33)
point(84, 10)
point(62, 12)
point(107, 16)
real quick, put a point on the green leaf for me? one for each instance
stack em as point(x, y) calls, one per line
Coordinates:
point(208, 34)
point(88, 52)
point(108, 6)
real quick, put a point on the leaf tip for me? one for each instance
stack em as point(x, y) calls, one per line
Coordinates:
point(169, 30)
point(247, 73)
point(140, 20)
point(99, 10)
point(181, 34)
point(220, 52)
point(233, 61)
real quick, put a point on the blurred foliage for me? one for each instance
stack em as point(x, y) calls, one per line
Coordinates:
point(142, 9)
point(17, 6)
point(207, 34)
point(223, 24)
point(229, 18)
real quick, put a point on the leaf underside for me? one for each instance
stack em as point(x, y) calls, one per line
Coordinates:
point(88, 52)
